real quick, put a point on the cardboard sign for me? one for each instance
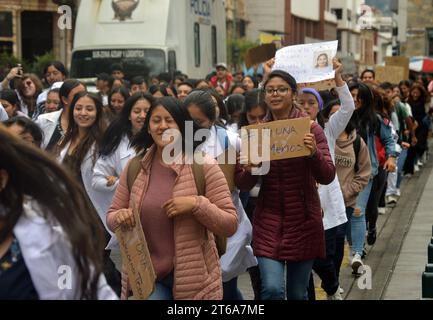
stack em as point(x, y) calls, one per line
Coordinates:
point(390, 74)
point(136, 258)
point(286, 139)
point(319, 86)
point(260, 54)
point(399, 61)
point(308, 63)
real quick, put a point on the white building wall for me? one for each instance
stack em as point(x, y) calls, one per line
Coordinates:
point(306, 9)
point(264, 15)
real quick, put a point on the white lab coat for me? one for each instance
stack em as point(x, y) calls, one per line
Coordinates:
point(112, 165)
point(331, 196)
point(98, 198)
point(48, 122)
point(239, 254)
point(48, 257)
point(3, 115)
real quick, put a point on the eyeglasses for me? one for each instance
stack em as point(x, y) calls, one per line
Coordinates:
point(280, 91)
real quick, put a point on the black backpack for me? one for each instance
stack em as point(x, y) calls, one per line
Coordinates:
point(356, 148)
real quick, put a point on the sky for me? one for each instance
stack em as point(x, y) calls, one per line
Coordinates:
point(383, 5)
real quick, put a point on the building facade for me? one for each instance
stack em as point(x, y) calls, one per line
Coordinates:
point(297, 21)
point(348, 29)
point(419, 28)
point(29, 28)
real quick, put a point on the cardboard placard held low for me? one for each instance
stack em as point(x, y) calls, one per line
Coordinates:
point(136, 258)
point(260, 54)
point(286, 138)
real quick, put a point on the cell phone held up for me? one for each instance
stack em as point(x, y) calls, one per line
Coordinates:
point(20, 69)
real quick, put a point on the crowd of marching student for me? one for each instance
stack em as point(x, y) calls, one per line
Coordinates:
point(74, 164)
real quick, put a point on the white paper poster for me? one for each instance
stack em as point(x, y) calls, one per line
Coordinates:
point(308, 63)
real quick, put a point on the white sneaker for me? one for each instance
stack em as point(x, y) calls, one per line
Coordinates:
point(341, 290)
point(391, 200)
point(416, 168)
point(357, 264)
point(381, 210)
point(420, 164)
point(335, 296)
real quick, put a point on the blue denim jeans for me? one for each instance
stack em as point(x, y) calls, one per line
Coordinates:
point(163, 289)
point(400, 165)
point(358, 225)
point(272, 276)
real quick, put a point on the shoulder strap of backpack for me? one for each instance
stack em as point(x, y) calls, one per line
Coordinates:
point(133, 171)
point(223, 137)
point(199, 179)
point(356, 148)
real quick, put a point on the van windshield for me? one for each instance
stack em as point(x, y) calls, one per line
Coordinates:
point(135, 62)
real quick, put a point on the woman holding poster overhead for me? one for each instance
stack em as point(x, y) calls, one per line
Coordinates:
point(331, 197)
point(287, 226)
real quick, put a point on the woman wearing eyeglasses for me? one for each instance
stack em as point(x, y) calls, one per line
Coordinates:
point(287, 226)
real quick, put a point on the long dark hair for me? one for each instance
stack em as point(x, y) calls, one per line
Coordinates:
point(364, 118)
point(235, 103)
point(159, 88)
point(59, 66)
point(423, 99)
point(253, 98)
point(203, 100)
point(122, 91)
point(28, 126)
point(121, 125)
point(221, 105)
point(32, 173)
point(94, 135)
point(180, 115)
point(67, 87)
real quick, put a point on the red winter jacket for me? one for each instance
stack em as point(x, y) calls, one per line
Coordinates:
point(287, 223)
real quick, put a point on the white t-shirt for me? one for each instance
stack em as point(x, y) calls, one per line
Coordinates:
point(3, 115)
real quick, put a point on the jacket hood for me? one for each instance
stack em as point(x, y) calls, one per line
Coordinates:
point(344, 143)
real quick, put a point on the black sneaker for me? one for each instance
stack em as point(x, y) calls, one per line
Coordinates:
point(364, 253)
point(371, 237)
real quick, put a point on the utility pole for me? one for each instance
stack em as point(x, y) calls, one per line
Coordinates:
point(235, 50)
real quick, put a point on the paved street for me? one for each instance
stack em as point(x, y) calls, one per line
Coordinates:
point(398, 258)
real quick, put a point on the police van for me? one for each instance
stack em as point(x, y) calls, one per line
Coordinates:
point(148, 37)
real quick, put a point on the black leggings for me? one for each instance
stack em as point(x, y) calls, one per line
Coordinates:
point(372, 212)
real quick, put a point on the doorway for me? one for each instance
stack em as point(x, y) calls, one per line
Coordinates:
point(36, 34)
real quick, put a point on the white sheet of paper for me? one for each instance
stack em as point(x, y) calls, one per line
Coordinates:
point(308, 63)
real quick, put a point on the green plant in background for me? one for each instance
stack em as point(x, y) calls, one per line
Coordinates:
point(40, 62)
point(242, 45)
point(8, 61)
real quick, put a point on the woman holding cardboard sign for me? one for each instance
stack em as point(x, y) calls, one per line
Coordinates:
point(179, 225)
point(287, 227)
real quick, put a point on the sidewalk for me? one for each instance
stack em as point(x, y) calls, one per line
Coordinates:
point(405, 283)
